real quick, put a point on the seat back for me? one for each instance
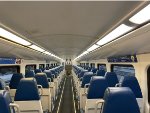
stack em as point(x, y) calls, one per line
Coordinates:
point(111, 78)
point(100, 72)
point(97, 87)
point(2, 84)
point(94, 70)
point(86, 78)
point(132, 83)
point(27, 90)
point(37, 71)
point(49, 75)
point(29, 73)
point(15, 80)
point(41, 79)
point(5, 100)
point(120, 100)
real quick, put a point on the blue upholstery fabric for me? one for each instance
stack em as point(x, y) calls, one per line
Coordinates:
point(15, 80)
point(131, 82)
point(37, 71)
point(2, 84)
point(111, 78)
point(41, 79)
point(86, 78)
point(82, 73)
point(49, 75)
point(94, 70)
point(5, 100)
point(97, 87)
point(120, 100)
point(27, 90)
point(100, 73)
point(29, 73)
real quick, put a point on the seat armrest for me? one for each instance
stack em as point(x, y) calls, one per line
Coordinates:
point(13, 105)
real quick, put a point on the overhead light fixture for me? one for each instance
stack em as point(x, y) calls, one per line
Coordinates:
point(48, 53)
point(10, 36)
point(37, 48)
point(142, 16)
point(93, 47)
point(85, 52)
point(120, 30)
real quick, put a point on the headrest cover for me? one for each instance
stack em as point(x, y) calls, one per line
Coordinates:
point(5, 100)
point(100, 73)
point(30, 74)
point(86, 78)
point(2, 84)
point(111, 78)
point(120, 100)
point(27, 90)
point(131, 82)
point(97, 87)
point(41, 79)
point(37, 71)
point(15, 80)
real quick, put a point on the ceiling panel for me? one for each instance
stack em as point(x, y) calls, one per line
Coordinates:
point(65, 28)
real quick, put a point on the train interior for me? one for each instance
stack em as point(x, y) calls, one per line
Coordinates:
point(74, 57)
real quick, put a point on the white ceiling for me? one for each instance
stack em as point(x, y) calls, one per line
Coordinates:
point(65, 28)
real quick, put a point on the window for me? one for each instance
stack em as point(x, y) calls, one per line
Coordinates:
point(41, 66)
point(30, 67)
point(123, 70)
point(102, 66)
point(6, 72)
point(92, 64)
point(87, 64)
point(148, 84)
point(47, 65)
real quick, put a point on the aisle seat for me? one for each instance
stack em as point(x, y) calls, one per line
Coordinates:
point(27, 96)
point(111, 78)
point(46, 100)
point(119, 100)
point(101, 73)
point(95, 94)
point(37, 71)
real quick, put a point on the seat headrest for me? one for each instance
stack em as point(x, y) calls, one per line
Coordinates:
point(82, 73)
point(15, 80)
point(5, 100)
point(29, 73)
point(86, 78)
point(41, 79)
point(111, 78)
point(37, 71)
point(120, 100)
point(27, 90)
point(49, 75)
point(2, 84)
point(131, 82)
point(100, 73)
point(94, 70)
point(97, 87)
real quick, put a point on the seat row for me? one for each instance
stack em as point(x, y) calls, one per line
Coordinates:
point(91, 90)
point(35, 93)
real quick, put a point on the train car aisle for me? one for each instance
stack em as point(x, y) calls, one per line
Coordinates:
point(66, 103)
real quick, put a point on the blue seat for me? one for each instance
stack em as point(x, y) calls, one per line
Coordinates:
point(5, 100)
point(97, 87)
point(15, 80)
point(82, 73)
point(132, 83)
point(100, 73)
point(29, 73)
point(2, 84)
point(120, 100)
point(94, 70)
point(27, 90)
point(41, 79)
point(49, 75)
point(111, 78)
point(37, 71)
point(86, 78)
